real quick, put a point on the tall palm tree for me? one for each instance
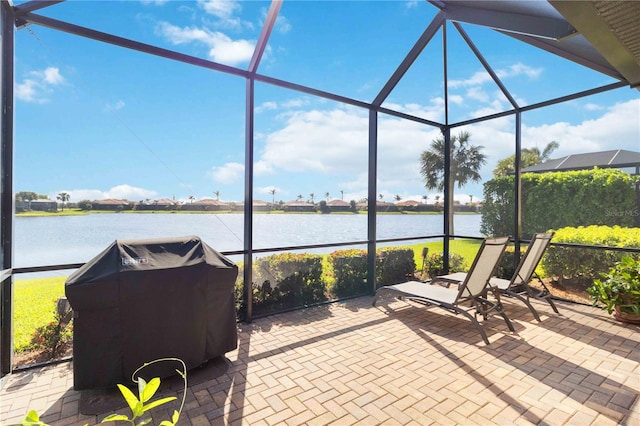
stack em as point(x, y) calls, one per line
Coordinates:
point(63, 197)
point(191, 198)
point(217, 193)
point(272, 191)
point(311, 196)
point(326, 195)
point(299, 197)
point(528, 157)
point(342, 194)
point(466, 161)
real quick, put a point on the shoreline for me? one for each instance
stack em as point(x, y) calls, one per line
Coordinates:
point(225, 212)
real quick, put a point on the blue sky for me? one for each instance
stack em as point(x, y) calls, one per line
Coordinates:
point(98, 121)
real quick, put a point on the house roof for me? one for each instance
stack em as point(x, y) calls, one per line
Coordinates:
point(605, 159)
point(110, 201)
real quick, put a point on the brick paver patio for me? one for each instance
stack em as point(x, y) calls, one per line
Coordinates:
point(399, 363)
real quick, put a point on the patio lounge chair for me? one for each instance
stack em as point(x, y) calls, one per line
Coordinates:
point(470, 295)
point(518, 286)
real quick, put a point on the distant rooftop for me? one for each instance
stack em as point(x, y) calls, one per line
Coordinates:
point(605, 159)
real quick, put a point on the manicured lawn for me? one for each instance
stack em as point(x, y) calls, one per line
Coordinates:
point(34, 306)
point(35, 299)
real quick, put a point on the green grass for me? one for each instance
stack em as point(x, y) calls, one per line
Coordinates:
point(35, 299)
point(35, 303)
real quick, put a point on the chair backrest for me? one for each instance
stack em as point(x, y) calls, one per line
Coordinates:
point(529, 262)
point(483, 267)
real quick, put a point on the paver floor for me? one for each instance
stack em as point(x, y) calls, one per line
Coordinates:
point(396, 364)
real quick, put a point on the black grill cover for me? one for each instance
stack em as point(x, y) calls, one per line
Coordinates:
point(141, 300)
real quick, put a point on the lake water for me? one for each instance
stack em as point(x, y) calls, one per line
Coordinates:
point(41, 241)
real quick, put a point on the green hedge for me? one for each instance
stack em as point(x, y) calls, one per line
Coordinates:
point(394, 265)
point(560, 199)
point(288, 280)
point(348, 268)
point(584, 264)
point(434, 264)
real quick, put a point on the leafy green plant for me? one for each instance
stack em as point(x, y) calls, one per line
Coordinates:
point(139, 405)
point(32, 419)
point(620, 286)
point(53, 336)
point(146, 391)
point(394, 265)
point(435, 264)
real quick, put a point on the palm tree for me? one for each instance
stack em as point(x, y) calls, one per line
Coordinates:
point(311, 197)
point(470, 198)
point(437, 197)
point(342, 194)
point(191, 198)
point(528, 157)
point(299, 197)
point(326, 195)
point(397, 198)
point(465, 164)
point(425, 198)
point(381, 196)
point(272, 191)
point(217, 193)
point(63, 197)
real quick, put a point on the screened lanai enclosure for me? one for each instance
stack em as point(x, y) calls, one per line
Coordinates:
point(252, 111)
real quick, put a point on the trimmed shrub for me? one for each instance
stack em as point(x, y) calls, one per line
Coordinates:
point(587, 264)
point(507, 266)
point(349, 270)
point(394, 265)
point(435, 264)
point(288, 280)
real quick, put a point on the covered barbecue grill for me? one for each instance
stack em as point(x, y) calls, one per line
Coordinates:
point(141, 300)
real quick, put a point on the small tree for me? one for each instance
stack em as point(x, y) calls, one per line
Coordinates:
point(63, 197)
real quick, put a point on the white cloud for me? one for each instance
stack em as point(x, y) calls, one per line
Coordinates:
point(333, 143)
point(223, 9)
point(478, 78)
point(593, 107)
point(266, 106)
point(283, 25)
point(228, 173)
point(128, 192)
point(481, 77)
point(617, 128)
point(52, 76)
point(288, 104)
point(121, 192)
point(221, 47)
point(115, 107)
point(38, 85)
point(519, 69)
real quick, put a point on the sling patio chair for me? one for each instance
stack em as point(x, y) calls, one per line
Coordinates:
point(518, 286)
point(470, 295)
